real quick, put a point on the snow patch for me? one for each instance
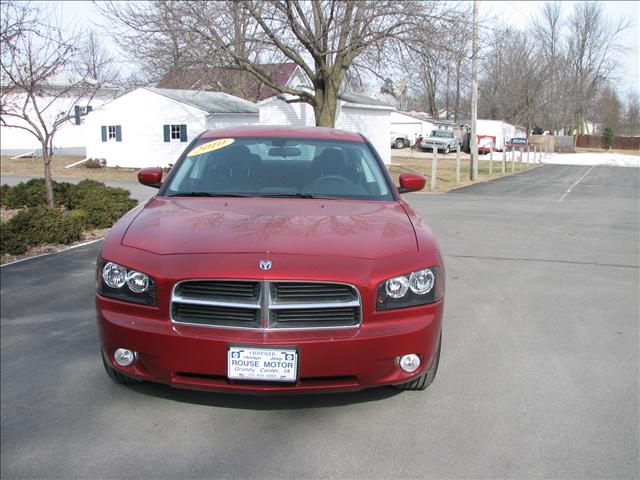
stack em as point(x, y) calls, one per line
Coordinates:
point(610, 159)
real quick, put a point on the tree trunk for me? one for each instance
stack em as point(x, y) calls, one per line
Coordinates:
point(325, 105)
point(48, 184)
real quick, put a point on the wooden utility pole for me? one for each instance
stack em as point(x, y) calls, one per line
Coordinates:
point(473, 171)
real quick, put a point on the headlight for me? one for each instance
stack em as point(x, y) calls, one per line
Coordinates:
point(415, 288)
point(121, 283)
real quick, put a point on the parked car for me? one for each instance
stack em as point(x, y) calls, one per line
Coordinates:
point(519, 145)
point(444, 140)
point(400, 140)
point(273, 259)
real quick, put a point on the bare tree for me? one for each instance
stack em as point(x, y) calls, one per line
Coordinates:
point(95, 62)
point(38, 94)
point(593, 46)
point(547, 28)
point(325, 38)
point(631, 119)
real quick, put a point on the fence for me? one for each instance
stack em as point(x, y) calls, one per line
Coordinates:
point(553, 143)
point(595, 141)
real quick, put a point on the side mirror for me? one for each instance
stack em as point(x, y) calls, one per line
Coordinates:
point(150, 176)
point(411, 182)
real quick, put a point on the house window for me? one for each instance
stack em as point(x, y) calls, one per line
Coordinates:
point(175, 132)
point(111, 132)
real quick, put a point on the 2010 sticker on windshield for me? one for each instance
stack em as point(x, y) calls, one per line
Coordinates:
point(211, 146)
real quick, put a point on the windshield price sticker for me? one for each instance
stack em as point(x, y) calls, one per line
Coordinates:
point(274, 365)
point(211, 146)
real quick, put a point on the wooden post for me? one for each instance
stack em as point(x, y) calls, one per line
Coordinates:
point(527, 154)
point(434, 168)
point(504, 161)
point(513, 161)
point(491, 161)
point(458, 165)
point(534, 153)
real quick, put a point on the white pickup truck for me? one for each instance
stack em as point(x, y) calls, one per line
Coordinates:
point(399, 140)
point(444, 140)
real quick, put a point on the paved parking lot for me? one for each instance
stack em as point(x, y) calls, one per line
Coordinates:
point(538, 375)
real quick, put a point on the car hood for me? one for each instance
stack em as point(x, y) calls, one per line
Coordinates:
point(254, 225)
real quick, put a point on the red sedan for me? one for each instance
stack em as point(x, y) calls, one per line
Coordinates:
point(519, 145)
point(273, 260)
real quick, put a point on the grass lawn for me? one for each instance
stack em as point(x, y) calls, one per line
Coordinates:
point(405, 160)
point(33, 167)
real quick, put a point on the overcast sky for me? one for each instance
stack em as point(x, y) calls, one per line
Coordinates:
point(517, 13)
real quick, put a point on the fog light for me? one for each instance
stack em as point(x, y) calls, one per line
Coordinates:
point(409, 363)
point(124, 357)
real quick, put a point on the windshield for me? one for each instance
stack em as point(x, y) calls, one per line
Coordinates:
point(442, 133)
point(279, 167)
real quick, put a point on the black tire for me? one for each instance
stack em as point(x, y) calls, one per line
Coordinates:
point(399, 143)
point(446, 150)
point(426, 379)
point(118, 377)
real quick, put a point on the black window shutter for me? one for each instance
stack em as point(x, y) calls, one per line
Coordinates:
point(76, 112)
point(118, 133)
point(183, 133)
point(89, 108)
point(167, 133)
point(103, 128)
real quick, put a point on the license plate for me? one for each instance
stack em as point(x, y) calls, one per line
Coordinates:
point(268, 364)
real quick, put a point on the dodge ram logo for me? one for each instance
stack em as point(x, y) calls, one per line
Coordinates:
point(265, 264)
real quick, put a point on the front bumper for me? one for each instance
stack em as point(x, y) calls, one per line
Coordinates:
point(330, 360)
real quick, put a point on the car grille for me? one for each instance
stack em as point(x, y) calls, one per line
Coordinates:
point(265, 304)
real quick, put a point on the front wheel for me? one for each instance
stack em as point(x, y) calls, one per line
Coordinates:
point(426, 379)
point(446, 149)
point(399, 143)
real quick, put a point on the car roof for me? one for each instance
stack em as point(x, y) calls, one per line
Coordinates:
point(284, 131)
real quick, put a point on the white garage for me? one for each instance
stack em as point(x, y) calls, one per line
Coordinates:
point(356, 113)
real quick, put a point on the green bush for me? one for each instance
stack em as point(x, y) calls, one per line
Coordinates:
point(33, 193)
point(39, 225)
point(11, 242)
point(101, 205)
point(104, 206)
point(607, 138)
point(3, 191)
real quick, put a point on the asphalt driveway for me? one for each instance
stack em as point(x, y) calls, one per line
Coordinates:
point(538, 376)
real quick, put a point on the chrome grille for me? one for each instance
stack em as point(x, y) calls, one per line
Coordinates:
point(219, 290)
point(265, 304)
point(292, 291)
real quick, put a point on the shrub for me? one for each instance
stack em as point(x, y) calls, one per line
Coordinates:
point(33, 193)
point(607, 138)
point(95, 163)
point(105, 205)
point(101, 205)
point(3, 191)
point(39, 225)
point(11, 242)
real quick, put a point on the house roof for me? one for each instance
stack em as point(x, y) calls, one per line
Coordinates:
point(211, 102)
point(423, 117)
point(229, 79)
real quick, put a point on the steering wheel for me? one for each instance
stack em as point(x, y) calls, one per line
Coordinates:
point(329, 178)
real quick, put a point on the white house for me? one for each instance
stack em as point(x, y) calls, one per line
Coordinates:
point(412, 124)
point(56, 101)
point(356, 113)
point(152, 126)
